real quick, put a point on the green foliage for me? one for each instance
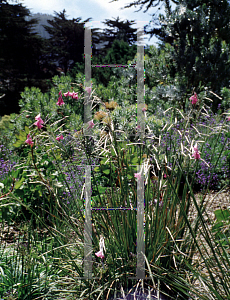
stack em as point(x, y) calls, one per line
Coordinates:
point(5, 123)
point(119, 53)
point(35, 172)
point(221, 227)
point(24, 271)
point(159, 66)
point(200, 33)
point(33, 102)
point(225, 103)
point(21, 137)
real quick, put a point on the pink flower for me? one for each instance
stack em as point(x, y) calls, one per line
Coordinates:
point(100, 254)
point(60, 99)
point(102, 247)
point(144, 109)
point(58, 138)
point(88, 89)
point(194, 98)
point(73, 95)
point(66, 94)
point(39, 121)
point(29, 140)
point(91, 124)
point(228, 119)
point(38, 117)
point(137, 175)
point(196, 154)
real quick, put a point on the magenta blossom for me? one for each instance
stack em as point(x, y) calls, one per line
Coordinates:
point(39, 121)
point(196, 154)
point(91, 124)
point(137, 175)
point(228, 118)
point(194, 98)
point(60, 99)
point(38, 117)
point(58, 138)
point(66, 94)
point(73, 95)
point(29, 140)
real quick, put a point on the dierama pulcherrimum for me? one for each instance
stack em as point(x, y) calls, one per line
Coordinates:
point(194, 98)
point(60, 100)
point(39, 121)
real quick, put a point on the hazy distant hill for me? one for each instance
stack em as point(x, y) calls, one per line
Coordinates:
point(42, 20)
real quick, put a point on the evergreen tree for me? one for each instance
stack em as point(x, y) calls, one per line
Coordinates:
point(150, 3)
point(120, 30)
point(66, 43)
point(201, 33)
point(20, 54)
point(155, 17)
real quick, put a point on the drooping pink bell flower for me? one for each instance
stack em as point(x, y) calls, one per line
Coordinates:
point(100, 254)
point(102, 247)
point(193, 98)
point(39, 121)
point(60, 99)
point(38, 117)
point(228, 118)
point(137, 175)
point(29, 140)
point(73, 95)
point(91, 124)
point(58, 138)
point(196, 154)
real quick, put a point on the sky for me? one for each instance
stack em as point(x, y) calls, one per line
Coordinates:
point(98, 10)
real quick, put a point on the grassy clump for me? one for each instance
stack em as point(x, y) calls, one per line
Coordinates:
point(54, 181)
